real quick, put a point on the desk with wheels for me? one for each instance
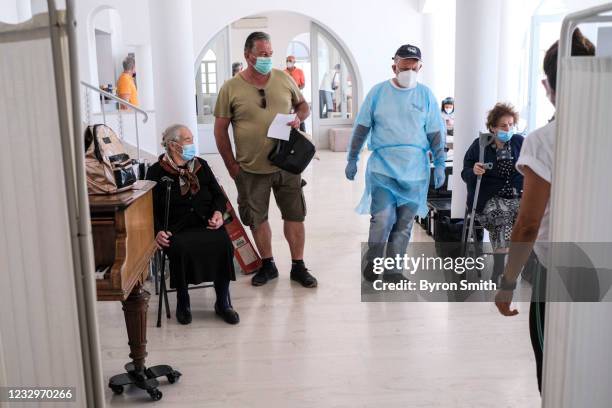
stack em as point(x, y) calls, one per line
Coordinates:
point(123, 240)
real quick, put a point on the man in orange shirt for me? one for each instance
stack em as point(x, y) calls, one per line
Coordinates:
point(295, 73)
point(126, 87)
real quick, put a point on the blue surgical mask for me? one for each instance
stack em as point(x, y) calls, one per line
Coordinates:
point(504, 136)
point(263, 65)
point(189, 152)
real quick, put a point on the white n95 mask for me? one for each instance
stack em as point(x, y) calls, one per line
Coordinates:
point(407, 79)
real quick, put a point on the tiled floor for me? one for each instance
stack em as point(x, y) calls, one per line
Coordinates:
point(297, 347)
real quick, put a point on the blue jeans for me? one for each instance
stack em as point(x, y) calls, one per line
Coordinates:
point(390, 226)
point(326, 100)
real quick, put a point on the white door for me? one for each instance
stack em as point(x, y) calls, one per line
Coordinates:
point(334, 86)
point(212, 70)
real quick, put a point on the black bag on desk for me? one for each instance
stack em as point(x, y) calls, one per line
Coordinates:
point(293, 155)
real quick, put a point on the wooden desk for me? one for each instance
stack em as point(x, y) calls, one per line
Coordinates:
point(123, 238)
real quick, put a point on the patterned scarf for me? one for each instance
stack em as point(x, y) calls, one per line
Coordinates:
point(188, 180)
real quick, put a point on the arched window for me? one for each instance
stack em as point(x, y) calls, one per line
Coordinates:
point(209, 73)
point(299, 50)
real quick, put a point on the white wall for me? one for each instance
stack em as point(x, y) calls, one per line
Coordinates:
point(135, 28)
point(18, 11)
point(576, 5)
point(104, 54)
point(438, 48)
point(355, 26)
point(132, 26)
point(220, 46)
point(14, 12)
point(282, 27)
point(109, 52)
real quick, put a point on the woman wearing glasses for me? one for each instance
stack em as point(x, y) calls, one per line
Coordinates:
point(501, 185)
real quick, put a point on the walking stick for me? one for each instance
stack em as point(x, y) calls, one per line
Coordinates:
point(484, 140)
point(163, 294)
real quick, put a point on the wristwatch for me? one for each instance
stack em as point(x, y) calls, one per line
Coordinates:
point(505, 285)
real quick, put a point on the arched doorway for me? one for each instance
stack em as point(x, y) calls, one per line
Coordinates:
point(104, 32)
point(334, 75)
point(299, 48)
point(319, 51)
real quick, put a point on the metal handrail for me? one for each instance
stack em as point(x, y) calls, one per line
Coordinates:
point(135, 108)
point(118, 99)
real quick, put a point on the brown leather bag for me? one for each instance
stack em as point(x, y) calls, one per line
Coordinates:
point(108, 166)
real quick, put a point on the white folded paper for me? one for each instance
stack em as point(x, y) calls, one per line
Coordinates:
point(279, 128)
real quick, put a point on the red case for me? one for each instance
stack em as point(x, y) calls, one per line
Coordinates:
point(244, 250)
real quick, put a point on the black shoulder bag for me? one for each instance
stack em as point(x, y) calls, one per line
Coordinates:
point(293, 155)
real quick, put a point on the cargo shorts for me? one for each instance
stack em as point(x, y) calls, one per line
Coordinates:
point(254, 196)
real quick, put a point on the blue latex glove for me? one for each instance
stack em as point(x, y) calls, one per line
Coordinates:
point(439, 176)
point(360, 134)
point(351, 169)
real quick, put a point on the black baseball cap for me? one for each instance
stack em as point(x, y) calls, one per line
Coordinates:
point(408, 51)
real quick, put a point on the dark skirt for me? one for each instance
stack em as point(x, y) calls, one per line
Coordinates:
point(198, 254)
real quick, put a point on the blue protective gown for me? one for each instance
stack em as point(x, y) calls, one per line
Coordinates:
point(405, 125)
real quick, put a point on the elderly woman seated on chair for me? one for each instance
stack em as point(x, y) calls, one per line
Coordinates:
point(195, 241)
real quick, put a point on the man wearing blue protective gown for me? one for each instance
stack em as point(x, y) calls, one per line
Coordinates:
point(401, 121)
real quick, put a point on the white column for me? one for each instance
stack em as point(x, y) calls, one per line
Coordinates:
point(506, 55)
point(173, 58)
point(476, 79)
point(428, 47)
point(438, 48)
point(144, 64)
point(15, 11)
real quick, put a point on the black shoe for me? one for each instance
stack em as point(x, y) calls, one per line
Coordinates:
point(300, 274)
point(183, 315)
point(264, 274)
point(368, 273)
point(183, 307)
point(229, 314)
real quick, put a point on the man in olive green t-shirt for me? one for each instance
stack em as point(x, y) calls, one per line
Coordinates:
point(249, 102)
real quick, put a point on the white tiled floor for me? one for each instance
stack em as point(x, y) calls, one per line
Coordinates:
point(297, 347)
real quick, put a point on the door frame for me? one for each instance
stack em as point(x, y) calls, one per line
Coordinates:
point(208, 146)
point(317, 122)
point(534, 65)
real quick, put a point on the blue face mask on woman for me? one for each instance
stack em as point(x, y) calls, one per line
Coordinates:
point(189, 152)
point(263, 65)
point(504, 136)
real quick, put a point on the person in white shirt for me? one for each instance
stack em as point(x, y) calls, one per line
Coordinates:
point(532, 225)
point(329, 83)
